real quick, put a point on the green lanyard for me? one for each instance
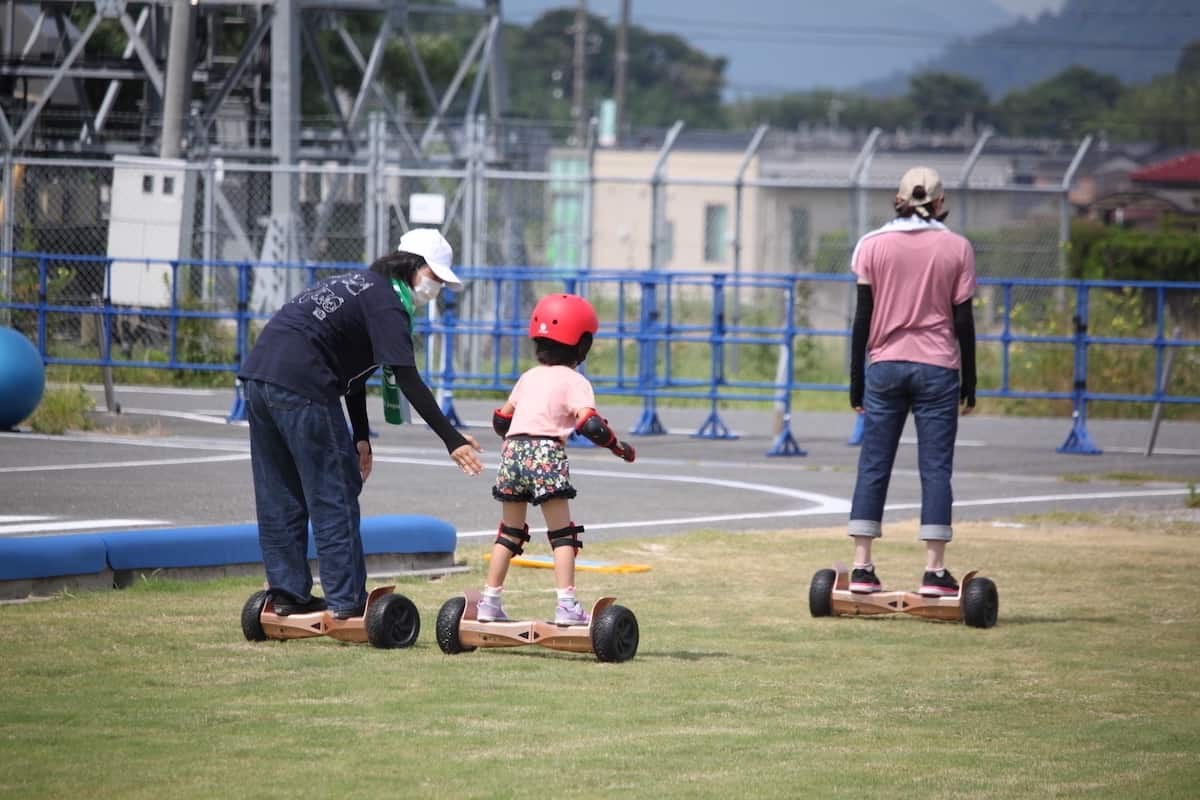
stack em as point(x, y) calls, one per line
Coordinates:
point(393, 408)
point(406, 299)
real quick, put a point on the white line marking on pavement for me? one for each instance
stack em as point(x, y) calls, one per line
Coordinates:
point(177, 443)
point(7, 520)
point(1158, 451)
point(151, 462)
point(1050, 498)
point(845, 507)
point(164, 390)
point(188, 415)
point(77, 525)
point(647, 523)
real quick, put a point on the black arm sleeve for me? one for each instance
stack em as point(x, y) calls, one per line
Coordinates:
point(422, 401)
point(858, 343)
point(356, 407)
point(964, 331)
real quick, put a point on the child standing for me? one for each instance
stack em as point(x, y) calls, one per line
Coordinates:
point(548, 403)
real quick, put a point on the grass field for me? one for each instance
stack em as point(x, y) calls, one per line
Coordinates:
point(1089, 686)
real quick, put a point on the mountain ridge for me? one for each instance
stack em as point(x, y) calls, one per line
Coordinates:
point(1106, 36)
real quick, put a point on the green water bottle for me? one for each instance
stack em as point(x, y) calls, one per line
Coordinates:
point(393, 401)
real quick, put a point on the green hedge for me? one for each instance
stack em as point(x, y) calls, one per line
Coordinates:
point(1110, 253)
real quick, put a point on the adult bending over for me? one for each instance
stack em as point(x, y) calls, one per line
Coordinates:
point(308, 466)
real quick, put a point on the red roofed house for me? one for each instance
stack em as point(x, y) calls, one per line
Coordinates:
point(1161, 191)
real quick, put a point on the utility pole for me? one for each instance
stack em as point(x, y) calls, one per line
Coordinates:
point(622, 64)
point(580, 88)
point(177, 87)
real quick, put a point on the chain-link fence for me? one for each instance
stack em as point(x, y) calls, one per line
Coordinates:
point(773, 202)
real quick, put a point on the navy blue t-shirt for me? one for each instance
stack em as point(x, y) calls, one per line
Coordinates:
point(329, 339)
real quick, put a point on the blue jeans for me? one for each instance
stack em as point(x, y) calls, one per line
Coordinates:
point(306, 469)
point(893, 388)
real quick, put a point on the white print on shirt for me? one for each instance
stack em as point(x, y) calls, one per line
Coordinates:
point(355, 282)
point(326, 300)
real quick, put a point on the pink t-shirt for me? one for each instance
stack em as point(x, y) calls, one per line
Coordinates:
point(547, 400)
point(918, 272)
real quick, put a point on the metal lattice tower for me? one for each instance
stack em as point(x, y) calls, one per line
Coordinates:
point(173, 46)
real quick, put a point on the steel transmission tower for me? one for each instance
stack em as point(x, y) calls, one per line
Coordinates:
point(46, 67)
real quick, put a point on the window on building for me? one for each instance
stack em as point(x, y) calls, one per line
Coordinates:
point(716, 218)
point(799, 231)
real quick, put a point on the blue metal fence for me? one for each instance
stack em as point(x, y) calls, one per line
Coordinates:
point(664, 335)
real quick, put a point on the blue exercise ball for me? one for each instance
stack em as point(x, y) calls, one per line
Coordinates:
point(22, 378)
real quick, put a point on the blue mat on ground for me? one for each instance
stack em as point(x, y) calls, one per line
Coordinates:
point(206, 546)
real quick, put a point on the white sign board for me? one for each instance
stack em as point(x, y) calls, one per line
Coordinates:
point(426, 209)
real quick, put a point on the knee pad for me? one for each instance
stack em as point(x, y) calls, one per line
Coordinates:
point(522, 534)
point(565, 537)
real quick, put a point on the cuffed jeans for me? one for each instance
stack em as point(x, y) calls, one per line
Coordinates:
point(306, 469)
point(893, 388)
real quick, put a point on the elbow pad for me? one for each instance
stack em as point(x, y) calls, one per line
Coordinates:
point(501, 423)
point(595, 429)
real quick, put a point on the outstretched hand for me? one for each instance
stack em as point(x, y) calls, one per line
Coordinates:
point(624, 450)
point(465, 456)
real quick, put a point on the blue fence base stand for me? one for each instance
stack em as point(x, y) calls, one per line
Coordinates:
point(237, 412)
point(714, 428)
point(856, 436)
point(575, 440)
point(1078, 441)
point(451, 414)
point(649, 424)
point(785, 444)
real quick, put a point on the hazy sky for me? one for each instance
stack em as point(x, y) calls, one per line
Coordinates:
point(1030, 7)
point(524, 10)
point(799, 56)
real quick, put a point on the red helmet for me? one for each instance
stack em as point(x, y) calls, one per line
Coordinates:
point(563, 318)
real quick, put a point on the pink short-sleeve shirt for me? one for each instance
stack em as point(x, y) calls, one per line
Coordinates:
point(547, 399)
point(918, 272)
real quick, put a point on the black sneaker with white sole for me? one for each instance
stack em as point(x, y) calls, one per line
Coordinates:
point(938, 583)
point(863, 580)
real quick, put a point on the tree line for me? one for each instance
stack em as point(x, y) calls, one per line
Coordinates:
point(667, 80)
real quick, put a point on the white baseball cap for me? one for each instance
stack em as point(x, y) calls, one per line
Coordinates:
point(430, 245)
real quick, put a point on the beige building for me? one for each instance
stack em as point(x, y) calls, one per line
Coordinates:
point(698, 210)
point(798, 208)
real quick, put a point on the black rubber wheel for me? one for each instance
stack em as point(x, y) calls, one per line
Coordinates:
point(615, 634)
point(980, 603)
point(820, 593)
point(448, 618)
point(392, 621)
point(252, 617)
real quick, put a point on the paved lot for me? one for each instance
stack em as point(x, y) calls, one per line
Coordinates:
point(170, 460)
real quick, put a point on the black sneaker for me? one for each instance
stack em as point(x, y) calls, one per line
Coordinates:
point(349, 613)
point(864, 580)
point(938, 584)
point(285, 607)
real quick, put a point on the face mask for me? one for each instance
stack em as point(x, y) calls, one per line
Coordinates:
point(426, 290)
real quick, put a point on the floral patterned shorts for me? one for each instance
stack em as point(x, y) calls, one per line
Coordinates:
point(533, 470)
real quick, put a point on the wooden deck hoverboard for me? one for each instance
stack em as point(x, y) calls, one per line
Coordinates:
point(612, 634)
point(390, 621)
point(977, 603)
